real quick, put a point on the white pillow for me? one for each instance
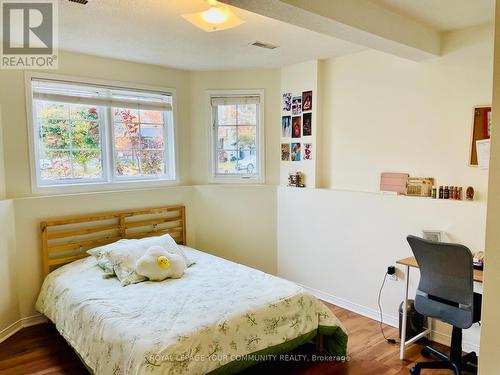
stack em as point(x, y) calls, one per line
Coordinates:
point(157, 264)
point(123, 260)
point(101, 254)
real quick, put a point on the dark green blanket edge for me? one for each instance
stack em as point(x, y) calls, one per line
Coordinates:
point(335, 344)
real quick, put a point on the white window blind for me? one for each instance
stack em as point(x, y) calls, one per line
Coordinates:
point(84, 94)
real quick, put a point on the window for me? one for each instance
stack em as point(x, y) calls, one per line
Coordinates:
point(87, 134)
point(237, 134)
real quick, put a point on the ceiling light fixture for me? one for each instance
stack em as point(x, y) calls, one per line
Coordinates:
point(215, 18)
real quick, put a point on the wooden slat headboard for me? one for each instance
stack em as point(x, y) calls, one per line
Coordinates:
point(67, 239)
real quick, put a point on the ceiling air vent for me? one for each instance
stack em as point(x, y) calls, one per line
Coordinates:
point(83, 2)
point(264, 45)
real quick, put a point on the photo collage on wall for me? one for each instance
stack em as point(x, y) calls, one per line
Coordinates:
point(296, 123)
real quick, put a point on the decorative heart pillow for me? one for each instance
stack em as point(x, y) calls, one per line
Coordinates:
point(158, 264)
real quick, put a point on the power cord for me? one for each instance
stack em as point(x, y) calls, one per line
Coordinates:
point(389, 340)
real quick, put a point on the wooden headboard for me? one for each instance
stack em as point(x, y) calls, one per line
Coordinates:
point(67, 239)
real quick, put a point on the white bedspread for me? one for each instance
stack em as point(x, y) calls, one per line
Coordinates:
point(218, 310)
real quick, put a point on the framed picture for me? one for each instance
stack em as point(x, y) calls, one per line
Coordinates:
point(287, 102)
point(296, 105)
point(308, 151)
point(296, 127)
point(307, 101)
point(285, 151)
point(295, 152)
point(433, 235)
point(286, 126)
point(307, 124)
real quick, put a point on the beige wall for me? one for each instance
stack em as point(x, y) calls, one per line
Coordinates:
point(9, 306)
point(269, 80)
point(490, 337)
point(17, 166)
point(387, 114)
point(2, 164)
point(237, 222)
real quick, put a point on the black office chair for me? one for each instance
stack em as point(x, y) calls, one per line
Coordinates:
point(445, 292)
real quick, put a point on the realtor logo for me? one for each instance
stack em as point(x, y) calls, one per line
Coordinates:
point(29, 34)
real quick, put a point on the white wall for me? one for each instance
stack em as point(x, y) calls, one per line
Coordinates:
point(9, 308)
point(341, 242)
point(387, 114)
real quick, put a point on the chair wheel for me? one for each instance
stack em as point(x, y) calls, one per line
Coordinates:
point(425, 353)
point(415, 371)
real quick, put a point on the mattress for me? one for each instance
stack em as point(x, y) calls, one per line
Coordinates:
point(219, 317)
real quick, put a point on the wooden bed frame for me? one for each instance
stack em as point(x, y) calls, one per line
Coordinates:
point(67, 239)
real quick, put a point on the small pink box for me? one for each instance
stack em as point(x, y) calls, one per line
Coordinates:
point(394, 182)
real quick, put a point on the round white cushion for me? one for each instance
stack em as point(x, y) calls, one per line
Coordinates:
point(158, 264)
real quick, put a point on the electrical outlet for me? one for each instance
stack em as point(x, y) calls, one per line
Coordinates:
point(393, 277)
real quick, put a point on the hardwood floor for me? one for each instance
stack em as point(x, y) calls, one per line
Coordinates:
point(41, 350)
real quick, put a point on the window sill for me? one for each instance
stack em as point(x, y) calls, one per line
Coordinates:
point(62, 189)
point(237, 180)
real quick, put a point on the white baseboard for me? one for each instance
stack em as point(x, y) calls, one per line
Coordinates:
point(393, 321)
point(354, 307)
point(20, 324)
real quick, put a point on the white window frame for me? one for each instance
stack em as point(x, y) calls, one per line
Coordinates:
point(260, 147)
point(108, 182)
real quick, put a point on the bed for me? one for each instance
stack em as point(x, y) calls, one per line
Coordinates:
point(219, 318)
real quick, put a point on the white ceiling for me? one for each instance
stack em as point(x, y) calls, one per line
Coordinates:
point(152, 31)
point(444, 15)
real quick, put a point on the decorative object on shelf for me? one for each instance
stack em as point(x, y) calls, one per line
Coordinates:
point(434, 191)
point(308, 151)
point(419, 186)
point(481, 130)
point(469, 193)
point(450, 192)
point(285, 152)
point(295, 151)
point(296, 179)
point(479, 260)
point(395, 182)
